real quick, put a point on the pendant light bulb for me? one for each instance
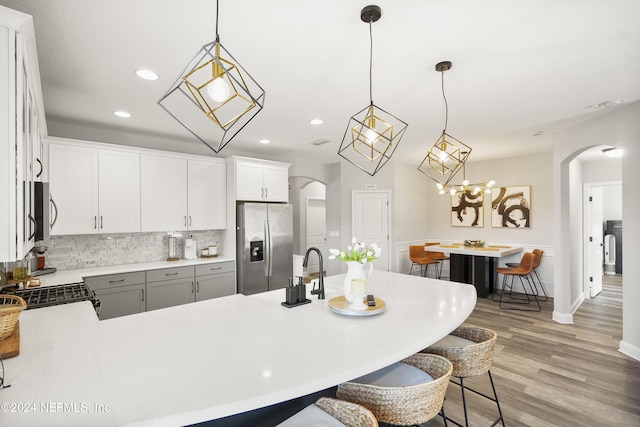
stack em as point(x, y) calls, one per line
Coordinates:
point(218, 90)
point(370, 136)
point(465, 182)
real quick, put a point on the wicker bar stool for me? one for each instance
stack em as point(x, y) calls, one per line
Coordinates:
point(332, 412)
point(414, 396)
point(470, 350)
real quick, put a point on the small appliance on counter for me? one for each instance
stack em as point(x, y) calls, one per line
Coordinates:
point(38, 261)
point(172, 246)
point(190, 245)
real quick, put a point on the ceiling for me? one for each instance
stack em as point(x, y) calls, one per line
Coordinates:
point(521, 70)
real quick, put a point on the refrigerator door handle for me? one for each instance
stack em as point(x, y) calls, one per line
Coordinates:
point(267, 248)
point(270, 248)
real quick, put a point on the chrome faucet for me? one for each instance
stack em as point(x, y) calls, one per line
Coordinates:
point(320, 290)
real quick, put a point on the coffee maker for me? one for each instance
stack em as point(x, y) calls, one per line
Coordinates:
point(38, 262)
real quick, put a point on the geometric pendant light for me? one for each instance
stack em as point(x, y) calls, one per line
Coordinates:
point(448, 155)
point(372, 134)
point(214, 97)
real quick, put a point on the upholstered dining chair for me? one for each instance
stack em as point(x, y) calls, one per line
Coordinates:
point(405, 393)
point(438, 256)
point(537, 258)
point(419, 256)
point(523, 272)
point(470, 351)
point(329, 412)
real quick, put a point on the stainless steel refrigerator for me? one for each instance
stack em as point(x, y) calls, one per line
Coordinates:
point(264, 239)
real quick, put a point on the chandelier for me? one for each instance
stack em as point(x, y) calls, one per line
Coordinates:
point(219, 90)
point(372, 134)
point(448, 155)
point(466, 186)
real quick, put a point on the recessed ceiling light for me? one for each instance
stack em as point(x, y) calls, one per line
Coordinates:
point(264, 141)
point(146, 74)
point(316, 121)
point(122, 114)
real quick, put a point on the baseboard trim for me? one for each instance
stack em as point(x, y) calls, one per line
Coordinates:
point(564, 318)
point(630, 350)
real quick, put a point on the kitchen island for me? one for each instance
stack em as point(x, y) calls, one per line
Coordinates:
point(214, 358)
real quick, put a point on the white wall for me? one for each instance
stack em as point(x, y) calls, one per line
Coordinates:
point(620, 127)
point(534, 170)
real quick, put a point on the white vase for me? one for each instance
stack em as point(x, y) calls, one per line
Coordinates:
point(355, 270)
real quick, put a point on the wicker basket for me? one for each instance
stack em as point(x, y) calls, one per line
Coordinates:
point(10, 308)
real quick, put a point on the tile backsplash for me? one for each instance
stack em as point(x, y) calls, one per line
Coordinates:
point(82, 251)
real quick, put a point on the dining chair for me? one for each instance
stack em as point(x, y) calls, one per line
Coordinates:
point(438, 256)
point(419, 256)
point(523, 272)
point(537, 258)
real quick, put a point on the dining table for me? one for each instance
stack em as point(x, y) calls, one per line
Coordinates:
point(475, 265)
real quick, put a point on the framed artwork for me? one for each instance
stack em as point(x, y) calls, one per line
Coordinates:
point(511, 207)
point(467, 209)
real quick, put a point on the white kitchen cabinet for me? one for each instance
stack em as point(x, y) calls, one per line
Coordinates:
point(119, 294)
point(170, 286)
point(261, 180)
point(21, 124)
point(207, 194)
point(215, 280)
point(94, 190)
point(163, 193)
point(183, 194)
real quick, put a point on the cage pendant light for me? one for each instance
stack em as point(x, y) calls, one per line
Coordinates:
point(448, 155)
point(214, 98)
point(372, 135)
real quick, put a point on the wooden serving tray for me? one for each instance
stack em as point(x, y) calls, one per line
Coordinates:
point(10, 346)
point(341, 306)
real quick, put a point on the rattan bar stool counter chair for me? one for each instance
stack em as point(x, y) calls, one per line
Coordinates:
point(329, 412)
point(419, 256)
point(523, 272)
point(470, 350)
point(410, 392)
point(537, 258)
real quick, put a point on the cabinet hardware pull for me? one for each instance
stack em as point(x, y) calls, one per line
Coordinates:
point(185, 220)
point(41, 168)
point(170, 274)
point(32, 219)
point(215, 268)
point(189, 220)
point(55, 207)
point(116, 281)
point(100, 222)
point(95, 222)
point(198, 287)
point(142, 295)
point(266, 192)
point(192, 288)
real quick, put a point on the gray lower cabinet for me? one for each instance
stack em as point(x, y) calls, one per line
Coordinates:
point(215, 280)
point(170, 286)
point(129, 293)
point(119, 294)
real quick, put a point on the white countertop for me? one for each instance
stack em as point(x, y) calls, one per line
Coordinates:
point(73, 276)
point(214, 358)
point(495, 250)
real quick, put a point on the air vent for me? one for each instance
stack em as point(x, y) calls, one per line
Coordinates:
point(320, 141)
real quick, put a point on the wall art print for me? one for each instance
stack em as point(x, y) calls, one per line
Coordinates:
point(467, 209)
point(511, 207)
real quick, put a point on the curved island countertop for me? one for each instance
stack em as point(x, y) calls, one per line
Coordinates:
point(215, 358)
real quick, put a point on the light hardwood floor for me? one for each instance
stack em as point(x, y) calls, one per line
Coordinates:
point(549, 374)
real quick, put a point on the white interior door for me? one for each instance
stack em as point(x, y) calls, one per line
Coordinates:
point(316, 225)
point(370, 222)
point(596, 240)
